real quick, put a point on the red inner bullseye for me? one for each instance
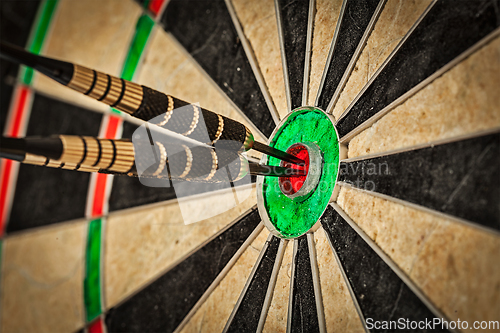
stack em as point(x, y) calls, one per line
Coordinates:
point(291, 185)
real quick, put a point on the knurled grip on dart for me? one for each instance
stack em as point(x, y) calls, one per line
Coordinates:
point(119, 156)
point(177, 115)
point(83, 153)
point(198, 163)
point(139, 101)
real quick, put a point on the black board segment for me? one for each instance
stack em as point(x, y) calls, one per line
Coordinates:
point(294, 20)
point(303, 312)
point(128, 192)
point(246, 318)
point(447, 30)
point(162, 305)
point(46, 195)
point(353, 23)
point(206, 31)
point(16, 20)
point(379, 291)
point(461, 178)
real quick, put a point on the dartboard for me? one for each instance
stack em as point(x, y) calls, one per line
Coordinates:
point(398, 98)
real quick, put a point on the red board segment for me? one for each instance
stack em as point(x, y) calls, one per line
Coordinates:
point(19, 112)
point(155, 6)
point(99, 201)
point(4, 189)
point(291, 185)
point(14, 127)
point(96, 326)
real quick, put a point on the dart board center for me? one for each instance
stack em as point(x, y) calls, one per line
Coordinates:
point(291, 186)
point(291, 206)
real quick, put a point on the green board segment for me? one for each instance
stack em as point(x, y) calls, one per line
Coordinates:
point(39, 32)
point(92, 282)
point(292, 218)
point(143, 29)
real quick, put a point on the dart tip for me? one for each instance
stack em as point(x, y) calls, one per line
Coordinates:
point(295, 160)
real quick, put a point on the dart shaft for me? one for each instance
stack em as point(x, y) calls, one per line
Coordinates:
point(276, 153)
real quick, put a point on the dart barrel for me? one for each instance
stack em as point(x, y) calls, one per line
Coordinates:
point(181, 162)
point(163, 110)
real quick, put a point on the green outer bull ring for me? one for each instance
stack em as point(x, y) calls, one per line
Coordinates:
point(291, 217)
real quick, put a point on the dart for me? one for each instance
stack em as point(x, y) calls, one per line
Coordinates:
point(147, 104)
point(118, 156)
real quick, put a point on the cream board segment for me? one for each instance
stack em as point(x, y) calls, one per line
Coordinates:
point(215, 311)
point(167, 68)
point(463, 100)
point(451, 263)
point(340, 313)
point(42, 279)
point(258, 20)
point(278, 311)
point(141, 244)
point(91, 33)
point(467, 260)
point(396, 19)
point(325, 22)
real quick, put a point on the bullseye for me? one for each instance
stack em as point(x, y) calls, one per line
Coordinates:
point(300, 188)
point(291, 185)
